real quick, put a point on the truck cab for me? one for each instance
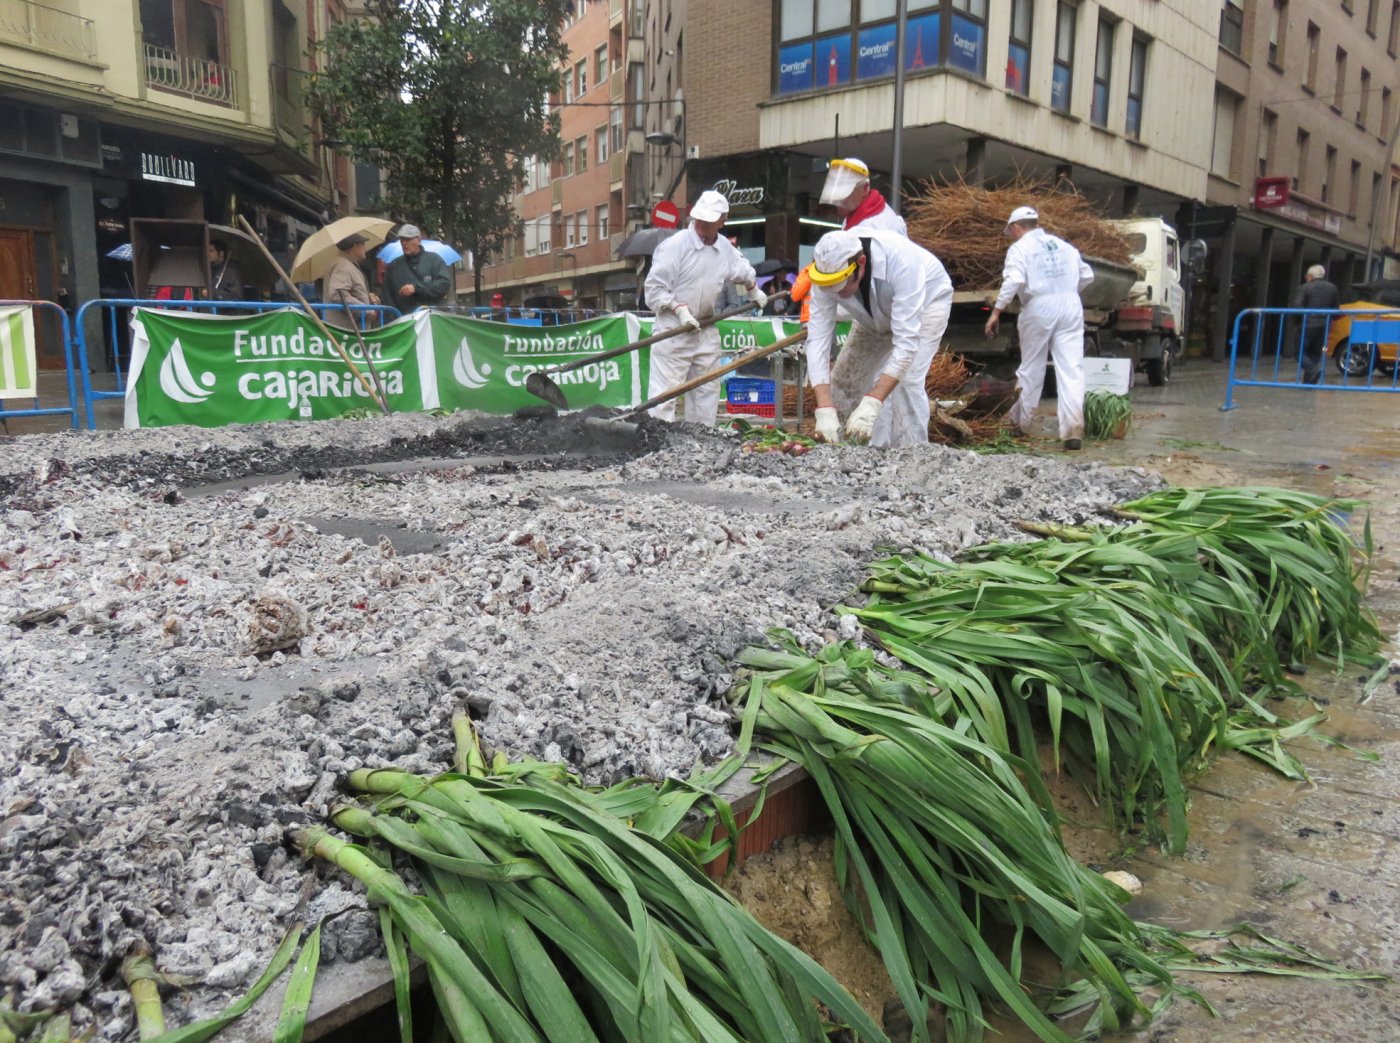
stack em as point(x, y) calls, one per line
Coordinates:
point(1147, 325)
point(1157, 255)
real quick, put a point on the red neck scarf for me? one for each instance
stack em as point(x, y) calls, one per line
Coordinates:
point(871, 205)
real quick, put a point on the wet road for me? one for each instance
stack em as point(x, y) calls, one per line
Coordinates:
point(1319, 865)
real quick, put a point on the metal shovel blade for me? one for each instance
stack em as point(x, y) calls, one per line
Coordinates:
point(541, 386)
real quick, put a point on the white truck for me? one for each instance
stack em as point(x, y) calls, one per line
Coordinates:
point(1135, 311)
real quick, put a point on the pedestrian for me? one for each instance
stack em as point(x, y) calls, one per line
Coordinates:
point(417, 278)
point(225, 279)
point(1317, 295)
point(729, 296)
point(687, 273)
point(1046, 274)
point(801, 295)
point(900, 297)
point(346, 284)
point(847, 187)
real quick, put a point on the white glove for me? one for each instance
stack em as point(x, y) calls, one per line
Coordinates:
point(686, 319)
point(828, 424)
point(757, 296)
point(862, 423)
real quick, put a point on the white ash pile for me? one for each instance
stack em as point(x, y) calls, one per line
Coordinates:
point(187, 673)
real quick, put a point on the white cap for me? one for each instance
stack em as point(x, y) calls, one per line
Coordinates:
point(711, 206)
point(843, 177)
point(832, 259)
point(409, 232)
point(1022, 213)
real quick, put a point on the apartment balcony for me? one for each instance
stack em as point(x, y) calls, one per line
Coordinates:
point(44, 28)
point(175, 73)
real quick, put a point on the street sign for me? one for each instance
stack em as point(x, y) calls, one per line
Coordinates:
point(665, 215)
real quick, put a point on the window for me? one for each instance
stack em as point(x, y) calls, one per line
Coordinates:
point(580, 79)
point(568, 159)
point(1314, 46)
point(602, 219)
point(822, 43)
point(1363, 106)
point(1301, 150)
point(1385, 110)
point(1103, 71)
point(1278, 32)
point(1393, 40)
point(1354, 188)
point(1268, 141)
point(636, 92)
point(600, 64)
point(538, 236)
point(1018, 57)
point(570, 232)
point(542, 173)
point(1063, 77)
point(1223, 140)
point(581, 223)
point(1339, 84)
point(615, 117)
point(1232, 25)
point(581, 147)
point(568, 87)
point(600, 145)
point(1372, 13)
point(1329, 174)
point(1137, 80)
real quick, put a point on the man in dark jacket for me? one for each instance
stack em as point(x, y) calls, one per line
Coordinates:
point(417, 278)
point(1317, 294)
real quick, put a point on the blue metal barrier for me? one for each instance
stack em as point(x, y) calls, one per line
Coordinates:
point(116, 342)
point(65, 336)
point(1283, 347)
point(527, 316)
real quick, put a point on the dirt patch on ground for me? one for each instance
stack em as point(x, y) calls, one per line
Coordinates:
point(792, 891)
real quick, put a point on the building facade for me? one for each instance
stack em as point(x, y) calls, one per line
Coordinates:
point(185, 109)
point(1302, 158)
point(622, 118)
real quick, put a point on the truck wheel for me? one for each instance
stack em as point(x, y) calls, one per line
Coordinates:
point(1159, 370)
point(1355, 361)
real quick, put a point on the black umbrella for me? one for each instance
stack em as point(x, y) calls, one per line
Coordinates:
point(773, 265)
point(644, 241)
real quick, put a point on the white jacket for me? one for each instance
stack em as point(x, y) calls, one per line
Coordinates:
point(686, 271)
point(904, 280)
point(1040, 265)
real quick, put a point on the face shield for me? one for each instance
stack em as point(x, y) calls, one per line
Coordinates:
point(843, 177)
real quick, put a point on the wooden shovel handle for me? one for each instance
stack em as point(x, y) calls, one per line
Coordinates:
point(715, 374)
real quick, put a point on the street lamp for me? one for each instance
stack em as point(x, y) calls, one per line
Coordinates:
point(666, 139)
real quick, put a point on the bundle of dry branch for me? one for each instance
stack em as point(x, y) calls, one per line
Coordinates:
point(963, 225)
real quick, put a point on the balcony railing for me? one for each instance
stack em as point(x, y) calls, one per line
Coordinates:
point(46, 28)
point(177, 73)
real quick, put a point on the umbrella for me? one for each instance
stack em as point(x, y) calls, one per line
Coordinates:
point(773, 265)
point(644, 241)
point(319, 252)
point(448, 255)
point(764, 280)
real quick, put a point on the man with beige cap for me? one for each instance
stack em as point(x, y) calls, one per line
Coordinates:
point(1046, 273)
point(688, 271)
point(346, 284)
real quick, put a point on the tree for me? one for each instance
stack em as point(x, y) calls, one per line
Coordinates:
point(449, 99)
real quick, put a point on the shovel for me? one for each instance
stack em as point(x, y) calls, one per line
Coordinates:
point(541, 385)
point(715, 374)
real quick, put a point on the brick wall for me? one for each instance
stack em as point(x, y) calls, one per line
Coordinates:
point(728, 60)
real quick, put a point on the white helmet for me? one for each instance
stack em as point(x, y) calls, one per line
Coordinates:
point(843, 177)
point(834, 259)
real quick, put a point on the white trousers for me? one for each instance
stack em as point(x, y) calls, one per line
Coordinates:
point(1052, 327)
point(684, 357)
point(904, 418)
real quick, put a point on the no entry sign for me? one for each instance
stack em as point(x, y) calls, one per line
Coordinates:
point(665, 215)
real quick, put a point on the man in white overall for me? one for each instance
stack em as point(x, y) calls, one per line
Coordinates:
point(901, 296)
point(687, 272)
point(1046, 273)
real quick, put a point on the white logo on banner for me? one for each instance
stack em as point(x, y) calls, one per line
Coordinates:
point(178, 382)
point(464, 368)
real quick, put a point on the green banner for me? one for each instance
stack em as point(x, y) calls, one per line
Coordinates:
point(192, 368)
point(188, 368)
point(477, 364)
